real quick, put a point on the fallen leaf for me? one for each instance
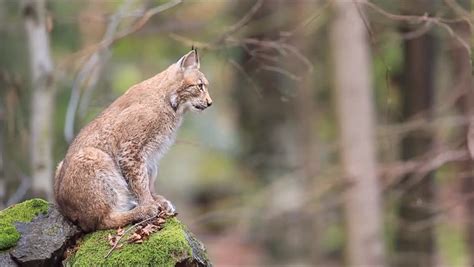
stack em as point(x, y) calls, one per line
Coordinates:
point(112, 240)
point(120, 231)
point(134, 238)
point(160, 221)
point(149, 229)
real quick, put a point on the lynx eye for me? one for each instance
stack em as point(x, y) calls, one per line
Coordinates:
point(201, 87)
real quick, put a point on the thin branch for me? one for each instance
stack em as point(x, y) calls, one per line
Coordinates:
point(247, 77)
point(417, 20)
point(227, 39)
point(96, 58)
point(470, 139)
point(99, 53)
point(426, 27)
point(243, 21)
point(465, 14)
point(420, 123)
point(394, 173)
point(128, 230)
point(144, 19)
point(282, 71)
point(309, 20)
point(21, 191)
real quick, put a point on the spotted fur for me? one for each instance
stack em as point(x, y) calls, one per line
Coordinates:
point(106, 178)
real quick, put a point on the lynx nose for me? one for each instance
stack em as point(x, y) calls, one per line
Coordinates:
point(209, 103)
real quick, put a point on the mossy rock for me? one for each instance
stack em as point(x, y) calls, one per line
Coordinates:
point(22, 212)
point(173, 245)
point(45, 237)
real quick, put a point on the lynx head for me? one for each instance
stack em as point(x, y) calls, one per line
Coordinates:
point(192, 94)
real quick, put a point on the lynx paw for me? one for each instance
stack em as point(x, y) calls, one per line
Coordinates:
point(148, 211)
point(165, 204)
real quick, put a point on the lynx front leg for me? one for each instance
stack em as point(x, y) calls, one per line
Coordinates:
point(137, 178)
point(162, 202)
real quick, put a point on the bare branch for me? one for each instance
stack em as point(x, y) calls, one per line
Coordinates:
point(20, 192)
point(247, 77)
point(395, 172)
point(280, 71)
point(470, 139)
point(126, 231)
point(260, 48)
point(95, 62)
point(144, 19)
point(419, 19)
point(87, 70)
point(243, 21)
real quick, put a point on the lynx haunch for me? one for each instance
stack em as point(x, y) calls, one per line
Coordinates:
point(106, 179)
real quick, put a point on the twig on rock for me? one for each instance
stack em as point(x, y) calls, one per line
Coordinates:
point(128, 230)
point(163, 215)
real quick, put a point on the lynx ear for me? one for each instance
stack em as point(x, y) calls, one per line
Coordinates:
point(189, 61)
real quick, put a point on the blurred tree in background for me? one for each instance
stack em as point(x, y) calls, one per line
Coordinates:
point(417, 96)
point(352, 80)
point(341, 132)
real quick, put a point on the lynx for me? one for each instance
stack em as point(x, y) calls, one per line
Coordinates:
point(106, 179)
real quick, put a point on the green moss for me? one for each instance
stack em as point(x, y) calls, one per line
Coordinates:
point(164, 248)
point(22, 212)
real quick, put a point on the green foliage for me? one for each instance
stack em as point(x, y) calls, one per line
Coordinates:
point(333, 237)
point(65, 37)
point(452, 244)
point(216, 167)
point(124, 77)
point(387, 64)
point(22, 212)
point(164, 248)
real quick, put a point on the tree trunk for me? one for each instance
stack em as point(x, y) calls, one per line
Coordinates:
point(3, 182)
point(306, 145)
point(266, 104)
point(415, 245)
point(42, 97)
point(462, 81)
point(352, 74)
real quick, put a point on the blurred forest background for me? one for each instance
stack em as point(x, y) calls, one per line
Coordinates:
point(340, 133)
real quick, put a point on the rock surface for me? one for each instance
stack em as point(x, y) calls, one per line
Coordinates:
point(21, 212)
point(6, 260)
point(44, 240)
